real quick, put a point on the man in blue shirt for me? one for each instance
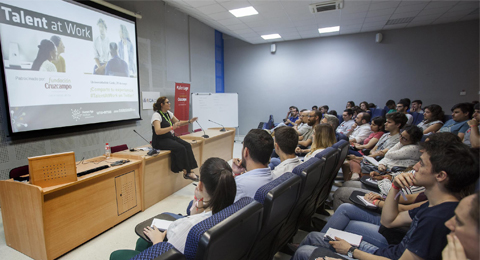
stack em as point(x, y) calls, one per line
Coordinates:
point(257, 148)
point(445, 169)
point(458, 125)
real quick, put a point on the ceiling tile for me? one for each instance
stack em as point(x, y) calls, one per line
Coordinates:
point(442, 4)
point(350, 27)
point(404, 15)
point(211, 9)
point(371, 29)
point(470, 17)
point(235, 4)
point(290, 34)
point(434, 11)
point(251, 18)
point(379, 5)
point(275, 14)
point(456, 14)
point(297, 12)
point(222, 16)
point(292, 37)
point(231, 21)
point(446, 20)
point(383, 12)
point(305, 22)
point(420, 22)
point(354, 16)
point(377, 19)
point(241, 31)
point(305, 28)
point(374, 24)
point(353, 21)
point(395, 26)
point(414, 2)
point(237, 26)
point(249, 35)
point(268, 6)
point(200, 3)
point(295, 4)
point(349, 9)
point(465, 6)
point(308, 33)
point(410, 8)
point(426, 17)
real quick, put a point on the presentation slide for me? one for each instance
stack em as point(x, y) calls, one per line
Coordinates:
point(67, 64)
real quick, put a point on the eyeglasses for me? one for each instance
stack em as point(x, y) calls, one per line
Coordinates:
point(168, 102)
point(404, 138)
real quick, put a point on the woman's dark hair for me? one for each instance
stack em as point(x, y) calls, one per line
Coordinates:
point(217, 177)
point(437, 113)
point(158, 105)
point(390, 104)
point(352, 104)
point(44, 50)
point(415, 133)
point(380, 122)
point(398, 118)
point(363, 102)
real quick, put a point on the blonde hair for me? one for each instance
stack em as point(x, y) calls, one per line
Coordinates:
point(324, 137)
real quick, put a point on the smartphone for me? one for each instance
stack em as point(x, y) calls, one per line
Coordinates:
point(329, 238)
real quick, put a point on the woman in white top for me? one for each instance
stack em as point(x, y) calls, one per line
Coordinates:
point(215, 191)
point(432, 119)
point(323, 137)
point(47, 52)
point(163, 138)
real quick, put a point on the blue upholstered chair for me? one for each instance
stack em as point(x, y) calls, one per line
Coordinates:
point(278, 198)
point(377, 112)
point(418, 120)
point(228, 232)
point(340, 119)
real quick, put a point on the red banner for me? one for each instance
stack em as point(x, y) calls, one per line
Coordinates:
point(182, 105)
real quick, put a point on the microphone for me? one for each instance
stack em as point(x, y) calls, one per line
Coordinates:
point(221, 130)
point(153, 151)
point(204, 135)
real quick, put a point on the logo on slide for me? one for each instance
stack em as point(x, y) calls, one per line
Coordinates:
point(76, 114)
point(182, 88)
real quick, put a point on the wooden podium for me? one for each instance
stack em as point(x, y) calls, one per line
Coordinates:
point(45, 223)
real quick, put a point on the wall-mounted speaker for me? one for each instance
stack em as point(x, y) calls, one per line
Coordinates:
point(378, 38)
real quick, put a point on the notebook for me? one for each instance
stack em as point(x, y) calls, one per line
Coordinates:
point(161, 224)
point(352, 239)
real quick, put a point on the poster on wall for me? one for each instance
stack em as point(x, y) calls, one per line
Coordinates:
point(149, 98)
point(182, 105)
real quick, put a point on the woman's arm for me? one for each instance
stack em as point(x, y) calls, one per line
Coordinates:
point(433, 128)
point(183, 122)
point(370, 144)
point(161, 131)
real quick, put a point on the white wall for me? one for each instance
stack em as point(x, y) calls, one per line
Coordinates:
point(431, 63)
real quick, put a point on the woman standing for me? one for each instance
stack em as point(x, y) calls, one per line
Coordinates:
point(163, 138)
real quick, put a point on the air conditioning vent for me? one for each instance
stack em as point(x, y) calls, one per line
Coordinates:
point(399, 20)
point(326, 6)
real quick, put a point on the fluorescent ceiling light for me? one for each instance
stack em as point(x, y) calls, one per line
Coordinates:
point(329, 29)
point(271, 36)
point(241, 12)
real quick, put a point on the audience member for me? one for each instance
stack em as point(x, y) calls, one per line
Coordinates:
point(333, 112)
point(392, 106)
point(214, 192)
point(364, 106)
point(356, 111)
point(417, 106)
point(314, 108)
point(303, 130)
point(402, 107)
point(444, 170)
point(292, 116)
point(350, 105)
point(432, 119)
point(463, 239)
point(458, 125)
point(371, 105)
point(347, 122)
point(361, 129)
point(472, 136)
point(324, 109)
point(285, 142)
point(313, 119)
point(324, 137)
point(257, 147)
point(377, 126)
point(331, 120)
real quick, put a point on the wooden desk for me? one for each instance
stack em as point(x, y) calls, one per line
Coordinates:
point(219, 144)
point(158, 181)
point(47, 223)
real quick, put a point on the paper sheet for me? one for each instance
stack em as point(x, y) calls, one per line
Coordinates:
point(161, 224)
point(351, 238)
point(371, 160)
point(367, 203)
point(371, 181)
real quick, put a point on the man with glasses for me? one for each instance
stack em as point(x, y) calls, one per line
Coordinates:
point(361, 129)
point(313, 119)
point(303, 128)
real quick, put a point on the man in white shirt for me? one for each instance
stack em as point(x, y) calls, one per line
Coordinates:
point(286, 140)
point(361, 129)
point(402, 107)
point(347, 122)
point(257, 148)
point(303, 128)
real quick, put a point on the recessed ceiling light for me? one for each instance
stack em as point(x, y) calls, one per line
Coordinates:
point(329, 29)
point(271, 36)
point(241, 12)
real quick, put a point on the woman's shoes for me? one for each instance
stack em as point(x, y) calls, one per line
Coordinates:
point(188, 176)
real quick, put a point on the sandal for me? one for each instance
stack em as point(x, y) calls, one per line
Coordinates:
point(187, 176)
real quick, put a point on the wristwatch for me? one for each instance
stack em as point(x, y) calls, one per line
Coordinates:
point(350, 251)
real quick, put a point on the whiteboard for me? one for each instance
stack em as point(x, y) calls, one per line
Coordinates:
point(218, 107)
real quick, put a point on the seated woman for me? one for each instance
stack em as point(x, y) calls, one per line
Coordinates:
point(377, 125)
point(364, 106)
point(163, 138)
point(433, 116)
point(323, 137)
point(215, 191)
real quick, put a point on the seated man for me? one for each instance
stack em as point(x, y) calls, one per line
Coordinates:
point(314, 108)
point(324, 109)
point(445, 169)
point(313, 119)
point(292, 117)
point(257, 147)
point(304, 130)
point(347, 122)
point(458, 125)
point(402, 107)
point(285, 141)
point(417, 106)
point(361, 129)
point(472, 136)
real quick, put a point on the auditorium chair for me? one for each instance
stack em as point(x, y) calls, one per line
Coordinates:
point(418, 120)
point(230, 232)
point(278, 198)
point(340, 119)
point(377, 112)
point(119, 148)
point(309, 172)
point(15, 173)
point(447, 117)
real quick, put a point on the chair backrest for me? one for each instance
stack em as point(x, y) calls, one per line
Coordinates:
point(19, 171)
point(342, 146)
point(419, 119)
point(414, 116)
point(278, 198)
point(270, 123)
point(309, 172)
point(377, 112)
point(119, 148)
point(230, 232)
point(160, 251)
point(331, 157)
point(340, 119)
point(447, 117)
